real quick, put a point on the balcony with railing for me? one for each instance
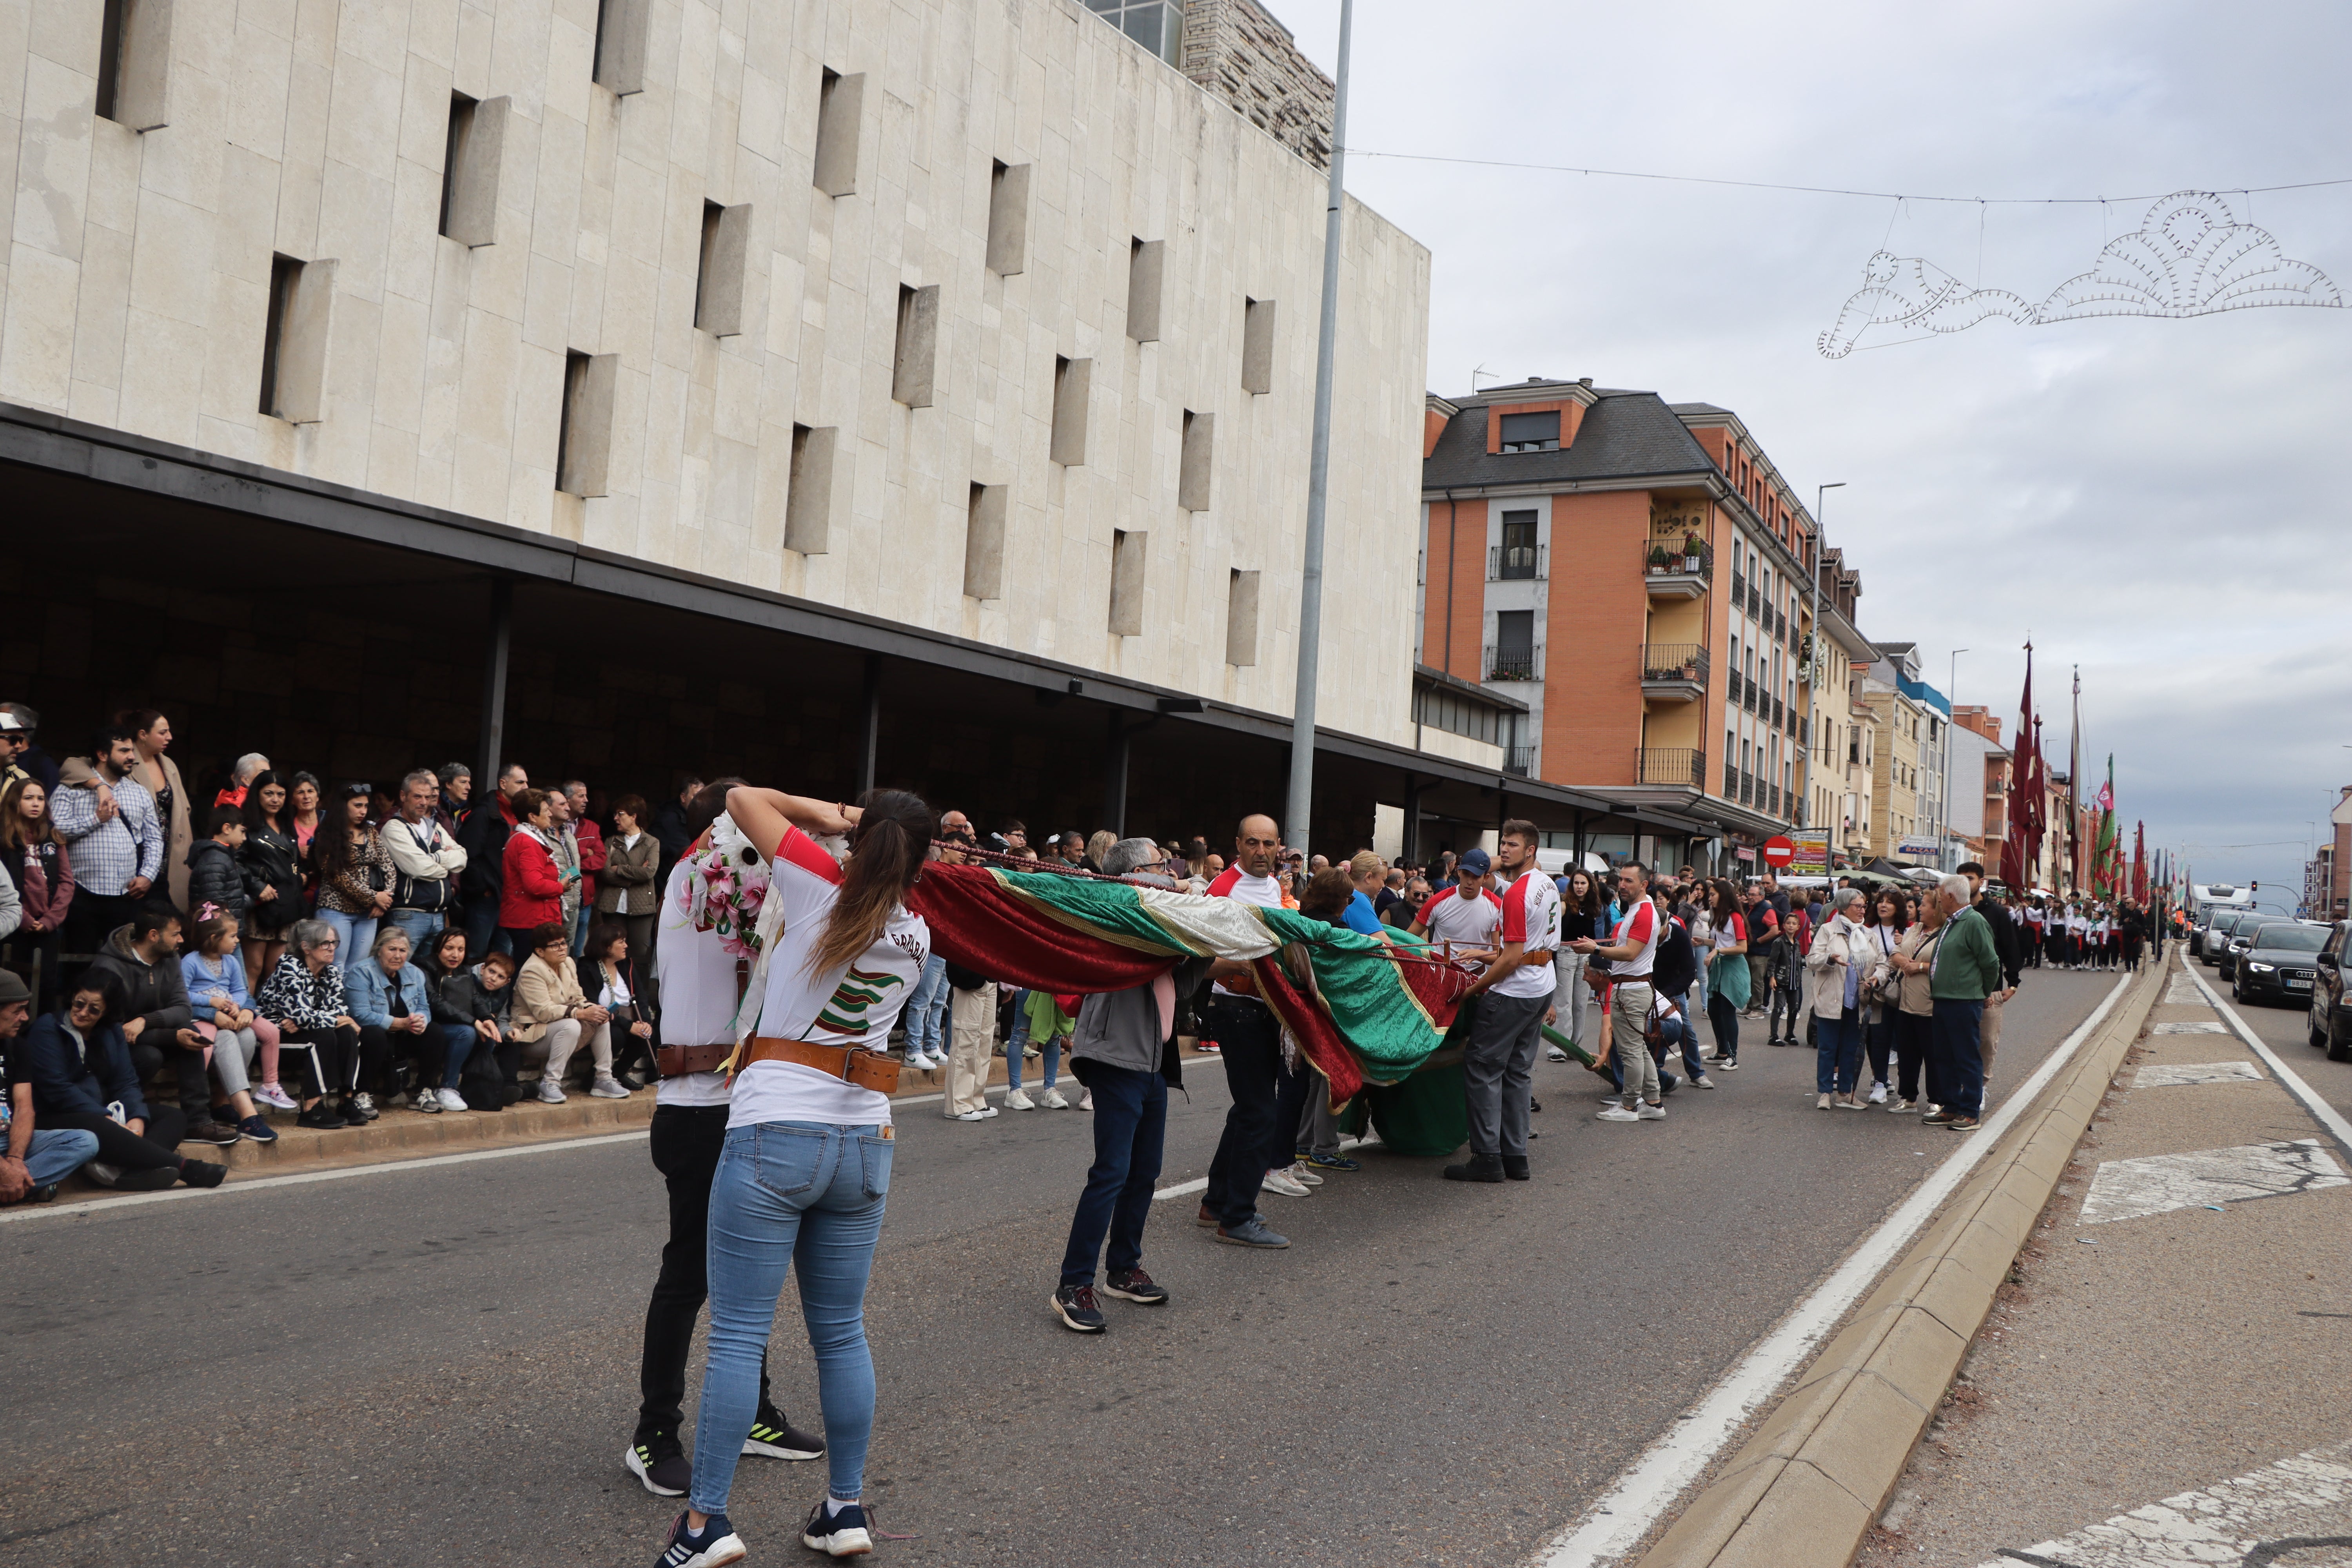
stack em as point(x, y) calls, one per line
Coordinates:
point(1746, 787)
point(1674, 672)
point(1514, 663)
point(1684, 765)
point(1520, 760)
point(1518, 563)
point(1675, 571)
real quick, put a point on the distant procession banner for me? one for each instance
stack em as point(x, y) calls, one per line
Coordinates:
point(1812, 856)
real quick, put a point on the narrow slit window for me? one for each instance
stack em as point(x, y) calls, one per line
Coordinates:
point(283, 271)
point(470, 172)
point(808, 506)
point(1257, 346)
point(915, 358)
point(1196, 466)
point(1008, 218)
point(1127, 549)
point(719, 280)
point(621, 27)
point(134, 50)
point(583, 442)
point(1241, 617)
point(983, 541)
point(1072, 378)
point(839, 102)
point(294, 339)
point(1146, 272)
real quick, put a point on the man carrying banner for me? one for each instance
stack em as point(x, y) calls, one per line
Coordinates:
point(1513, 998)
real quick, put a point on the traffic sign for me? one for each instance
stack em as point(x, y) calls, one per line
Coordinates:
point(1778, 851)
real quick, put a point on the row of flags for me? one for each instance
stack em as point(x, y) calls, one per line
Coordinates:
point(2095, 837)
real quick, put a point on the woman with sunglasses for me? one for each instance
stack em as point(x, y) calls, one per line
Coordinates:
point(805, 1170)
point(79, 1067)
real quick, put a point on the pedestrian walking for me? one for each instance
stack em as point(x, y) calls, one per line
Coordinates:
point(1513, 996)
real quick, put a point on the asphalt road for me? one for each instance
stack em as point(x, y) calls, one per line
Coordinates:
point(2285, 1027)
point(439, 1365)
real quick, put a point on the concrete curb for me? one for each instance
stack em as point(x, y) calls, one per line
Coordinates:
point(1806, 1487)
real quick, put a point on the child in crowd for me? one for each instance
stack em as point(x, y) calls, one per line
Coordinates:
point(239, 1040)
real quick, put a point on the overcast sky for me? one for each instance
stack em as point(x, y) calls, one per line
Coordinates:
point(2161, 501)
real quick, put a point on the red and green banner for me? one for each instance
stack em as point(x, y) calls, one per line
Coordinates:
point(1363, 1008)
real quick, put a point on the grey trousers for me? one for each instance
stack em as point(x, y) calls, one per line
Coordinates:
point(1629, 1014)
point(1499, 1068)
point(1318, 1124)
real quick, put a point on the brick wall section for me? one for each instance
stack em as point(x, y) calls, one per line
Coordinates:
point(1237, 50)
point(1592, 717)
point(1466, 528)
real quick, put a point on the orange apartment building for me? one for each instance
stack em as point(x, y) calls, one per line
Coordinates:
point(1634, 571)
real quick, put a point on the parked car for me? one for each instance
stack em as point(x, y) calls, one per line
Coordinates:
point(2225, 926)
point(2278, 962)
point(2331, 996)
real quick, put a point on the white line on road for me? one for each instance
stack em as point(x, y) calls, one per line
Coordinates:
point(2327, 1115)
point(1658, 1478)
point(302, 1178)
point(2159, 1184)
point(2307, 1498)
point(2201, 1026)
point(2157, 1075)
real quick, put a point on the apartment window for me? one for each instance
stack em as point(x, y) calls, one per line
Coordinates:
point(294, 339)
point(134, 51)
point(1518, 545)
point(1127, 583)
point(1071, 380)
point(718, 283)
point(840, 101)
point(1257, 346)
point(1194, 467)
point(621, 27)
point(1008, 218)
point(808, 504)
point(916, 357)
point(1146, 271)
point(1241, 617)
point(1532, 432)
point(1514, 644)
point(583, 443)
point(470, 172)
point(983, 541)
point(1157, 25)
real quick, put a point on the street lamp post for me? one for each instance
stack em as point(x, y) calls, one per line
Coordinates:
point(1944, 833)
point(1813, 664)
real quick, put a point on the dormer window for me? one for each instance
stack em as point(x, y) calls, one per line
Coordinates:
point(1532, 432)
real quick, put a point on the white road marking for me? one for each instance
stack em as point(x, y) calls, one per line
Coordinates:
point(1657, 1481)
point(2159, 1076)
point(2180, 992)
point(233, 1187)
point(2202, 1026)
point(2327, 1115)
point(2133, 1189)
point(1201, 1183)
point(2307, 1498)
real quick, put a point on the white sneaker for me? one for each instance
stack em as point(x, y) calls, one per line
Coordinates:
point(921, 1061)
point(549, 1092)
point(1651, 1113)
point(986, 1111)
point(1877, 1094)
point(274, 1097)
point(1554, 1054)
point(1304, 1175)
point(1702, 1081)
point(1824, 1102)
point(1086, 1100)
point(607, 1087)
point(971, 1115)
point(450, 1099)
point(1617, 1113)
point(1016, 1100)
point(1283, 1182)
point(1051, 1100)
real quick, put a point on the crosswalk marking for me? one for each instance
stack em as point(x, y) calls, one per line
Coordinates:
point(2260, 1517)
point(2160, 1075)
point(2133, 1189)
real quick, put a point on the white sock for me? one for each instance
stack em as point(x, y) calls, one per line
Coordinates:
point(834, 1505)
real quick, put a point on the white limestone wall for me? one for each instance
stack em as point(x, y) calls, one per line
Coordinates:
point(134, 296)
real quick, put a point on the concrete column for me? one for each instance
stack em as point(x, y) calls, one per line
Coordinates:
point(870, 739)
point(494, 689)
point(1114, 809)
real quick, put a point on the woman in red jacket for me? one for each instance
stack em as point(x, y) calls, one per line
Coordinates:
point(532, 893)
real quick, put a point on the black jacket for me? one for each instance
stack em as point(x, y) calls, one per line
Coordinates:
point(669, 831)
point(77, 1081)
point(268, 858)
point(1674, 967)
point(2006, 944)
point(463, 1000)
point(215, 877)
point(484, 837)
point(151, 991)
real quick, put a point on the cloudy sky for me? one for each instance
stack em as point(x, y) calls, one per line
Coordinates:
point(2159, 501)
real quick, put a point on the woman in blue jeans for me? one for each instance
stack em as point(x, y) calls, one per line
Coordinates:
point(805, 1173)
point(1842, 961)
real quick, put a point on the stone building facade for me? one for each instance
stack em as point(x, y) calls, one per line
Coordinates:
point(1237, 50)
point(974, 319)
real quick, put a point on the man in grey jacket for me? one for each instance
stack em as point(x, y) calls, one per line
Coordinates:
point(1125, 1042)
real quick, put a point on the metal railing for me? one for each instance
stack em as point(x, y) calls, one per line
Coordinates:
point(1673, 765)
point(1518, 563)
point(1755, 602)
point(1678, 562)
point(1779, 715)
point(1746, 787)
point(1776, 800)
point(1520, 760)
point(1674, 661)
point(1515, 664)
point(1731, 779)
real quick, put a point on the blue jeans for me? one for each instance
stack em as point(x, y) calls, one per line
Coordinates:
point(1955, 1055)
point(1130, 1128)
point(422, 926)
point(927, 1008)
point(580, 928)
point(56, 1153)
point(354, 935)
point(482, 934)
point(458, 1041)
point(1837, 1053)
point(1050, 1048)
point(801, 1196)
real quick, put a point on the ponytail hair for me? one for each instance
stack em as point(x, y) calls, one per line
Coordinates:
point(887, 852)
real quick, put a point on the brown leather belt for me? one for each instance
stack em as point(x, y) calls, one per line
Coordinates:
point(851, 1064)
point(676, 1061)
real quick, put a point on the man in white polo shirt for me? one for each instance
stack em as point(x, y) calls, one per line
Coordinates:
point(1252, 1047)
point(1631, 952)
point(1468, 915)
point(1513, 995)
point(701, 984)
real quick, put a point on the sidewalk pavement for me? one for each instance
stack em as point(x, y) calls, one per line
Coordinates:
point(2163, 1381)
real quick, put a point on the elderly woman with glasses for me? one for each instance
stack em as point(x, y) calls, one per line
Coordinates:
point(304, 997)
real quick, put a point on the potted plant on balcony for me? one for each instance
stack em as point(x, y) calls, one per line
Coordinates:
point(1690, 552)
point(1690, 669)
point(1659, 559)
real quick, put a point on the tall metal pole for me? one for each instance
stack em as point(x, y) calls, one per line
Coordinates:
point(1813, 685)
point(1318, 472)
point(1944, 828)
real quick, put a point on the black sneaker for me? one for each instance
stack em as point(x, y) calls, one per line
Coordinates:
point(1514, 1167)
point(1075, 1306)
point(203, 1173)
point(359, 1108)
point(842, 1534)
point(149, 1181)
point(773, 1438)
point(1135, 1285)
point(320, 1117)
point(715, 1544)
point(656, 1459)
point(1480, 1168)
point(212, 1133)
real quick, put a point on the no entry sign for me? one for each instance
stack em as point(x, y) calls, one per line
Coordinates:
point(1778, 852)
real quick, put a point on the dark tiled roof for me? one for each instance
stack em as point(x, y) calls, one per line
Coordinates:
point(1624, 435)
